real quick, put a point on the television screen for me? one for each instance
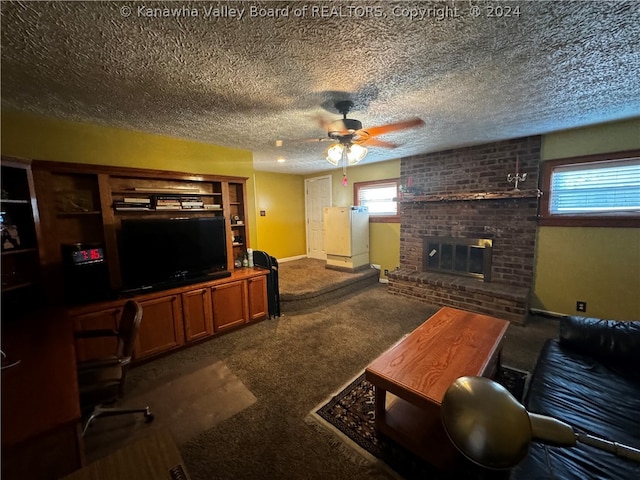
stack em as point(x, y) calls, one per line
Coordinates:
point(158, 253)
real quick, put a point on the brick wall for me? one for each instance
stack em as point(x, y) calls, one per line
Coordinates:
point(480, 168)
point(510, 222)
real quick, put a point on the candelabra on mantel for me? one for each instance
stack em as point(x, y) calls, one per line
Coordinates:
point(517, 177)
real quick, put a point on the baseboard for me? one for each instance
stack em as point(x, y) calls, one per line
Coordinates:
point(547, 313)
point(291, 259)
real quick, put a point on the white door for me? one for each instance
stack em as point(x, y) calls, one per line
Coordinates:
point(317, 196)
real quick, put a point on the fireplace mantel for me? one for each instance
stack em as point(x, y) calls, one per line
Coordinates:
point(462, 197)
point(464, 193)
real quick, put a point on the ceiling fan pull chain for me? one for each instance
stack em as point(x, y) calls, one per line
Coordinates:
point(344, 167)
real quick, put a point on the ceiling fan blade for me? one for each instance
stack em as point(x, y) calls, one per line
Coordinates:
point(329, 123)
point(393, 127)
point(297, 141)
point(374, 142)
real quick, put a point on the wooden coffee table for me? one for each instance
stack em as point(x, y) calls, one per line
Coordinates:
point(419, 369)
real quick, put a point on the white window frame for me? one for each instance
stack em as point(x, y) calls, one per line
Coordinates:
point(386, 183)
point(583, 179)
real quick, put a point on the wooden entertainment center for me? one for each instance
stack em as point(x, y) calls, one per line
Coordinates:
point(82, 206)
point(53, 212)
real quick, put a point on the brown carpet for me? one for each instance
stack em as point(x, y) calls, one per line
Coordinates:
point(309, 275)
point(306, 284)
point(290, 364)
point(186, 403)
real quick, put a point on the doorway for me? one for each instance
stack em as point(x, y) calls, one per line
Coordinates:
point(317, 196)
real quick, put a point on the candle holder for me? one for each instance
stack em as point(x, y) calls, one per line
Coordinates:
point(517, 177)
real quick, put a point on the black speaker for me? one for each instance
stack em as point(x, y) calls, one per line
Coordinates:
point(86, 274)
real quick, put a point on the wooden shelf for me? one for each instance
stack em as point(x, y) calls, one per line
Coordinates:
point(463, 197)
point(144, 211)
point(74, 214)
point(146, 194)
point(18, 286)
point(18, 251)
point(20, 265)
point(102, 190)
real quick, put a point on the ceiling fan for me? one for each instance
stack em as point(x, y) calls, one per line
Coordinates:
point(350, 139)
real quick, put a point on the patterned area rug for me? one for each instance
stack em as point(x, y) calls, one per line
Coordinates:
point(351, 416)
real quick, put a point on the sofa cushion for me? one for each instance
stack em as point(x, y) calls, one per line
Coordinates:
point(593, 397)
point(618, 341)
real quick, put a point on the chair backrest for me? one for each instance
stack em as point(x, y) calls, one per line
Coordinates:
point(128, 329)
point(261, 259)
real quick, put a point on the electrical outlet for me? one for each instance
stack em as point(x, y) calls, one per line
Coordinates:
point(386, 272)
point(581, 306)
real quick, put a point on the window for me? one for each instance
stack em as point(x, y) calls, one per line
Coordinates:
point(592, 191)
point(381, 198)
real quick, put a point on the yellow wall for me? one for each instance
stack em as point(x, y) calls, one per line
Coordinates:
point(281, 232)
point(384, 238)
point(34, 137)
point(596, 265)
point(600, 266)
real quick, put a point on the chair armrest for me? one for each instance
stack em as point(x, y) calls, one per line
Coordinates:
point(105, 332)
point(99, 363)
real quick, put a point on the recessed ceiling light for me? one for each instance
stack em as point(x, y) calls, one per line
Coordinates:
point(278, 143)
point(281, 160)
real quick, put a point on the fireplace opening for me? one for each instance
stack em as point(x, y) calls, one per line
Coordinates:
point(470, 257)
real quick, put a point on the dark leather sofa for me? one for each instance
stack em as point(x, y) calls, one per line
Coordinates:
point(589, 378)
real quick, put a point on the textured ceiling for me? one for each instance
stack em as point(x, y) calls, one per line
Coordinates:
point(472, 73)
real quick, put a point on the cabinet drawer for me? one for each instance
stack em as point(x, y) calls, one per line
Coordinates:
point(258, 304)
point(198, 317)
point(161, 328)
point(229, 302)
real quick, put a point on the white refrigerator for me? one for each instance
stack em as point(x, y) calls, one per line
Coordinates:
point(346, 237)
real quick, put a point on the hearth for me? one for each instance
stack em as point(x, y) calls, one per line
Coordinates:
point(470, 257)
point(468, 239)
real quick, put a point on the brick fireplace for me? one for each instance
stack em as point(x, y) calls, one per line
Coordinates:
point(470, 257)
point(463, 203)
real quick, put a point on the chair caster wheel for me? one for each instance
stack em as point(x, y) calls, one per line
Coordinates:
point(148, 417)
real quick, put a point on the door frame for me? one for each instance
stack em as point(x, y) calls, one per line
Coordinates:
point(307, 181)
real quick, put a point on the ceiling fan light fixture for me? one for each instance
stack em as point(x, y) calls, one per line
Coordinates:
point(355, 153)
point(334, 153)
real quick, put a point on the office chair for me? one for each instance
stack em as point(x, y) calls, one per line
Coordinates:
point(101, 381)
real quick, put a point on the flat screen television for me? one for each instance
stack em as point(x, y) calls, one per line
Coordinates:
point(160, 253)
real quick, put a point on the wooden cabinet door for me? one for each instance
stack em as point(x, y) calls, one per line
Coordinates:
point(161, 328)
point(230, 305)
point(198, 317)
point(89, 348)
point(258, 306)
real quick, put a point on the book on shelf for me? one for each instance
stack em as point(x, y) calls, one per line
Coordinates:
point(212, 206)
point(177, 198)
point(168, 207)
point(191, 204)
point(132, 209)
point(136, 200)
point(131, 205)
